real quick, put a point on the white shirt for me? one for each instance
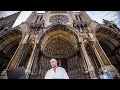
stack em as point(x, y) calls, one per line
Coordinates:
point(103, 77)
point(59, 74)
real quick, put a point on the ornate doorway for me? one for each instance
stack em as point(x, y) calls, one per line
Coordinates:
point(60, 43)
point(63, 63)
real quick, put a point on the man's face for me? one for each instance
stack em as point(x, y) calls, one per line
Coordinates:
point(100, 71)
point(53, 63)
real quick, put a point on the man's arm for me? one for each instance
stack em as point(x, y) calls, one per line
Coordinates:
point(65, 75)
point(46, 76)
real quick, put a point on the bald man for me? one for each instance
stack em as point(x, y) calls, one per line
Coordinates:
point(56, 72)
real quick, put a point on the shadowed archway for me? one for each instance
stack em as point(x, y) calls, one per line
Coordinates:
point(9, 41)
point(110, 42)
point(61, 43)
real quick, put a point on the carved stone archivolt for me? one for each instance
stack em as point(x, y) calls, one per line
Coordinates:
point(54, 42)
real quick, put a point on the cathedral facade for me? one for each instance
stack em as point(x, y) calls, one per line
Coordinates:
point(80, 44)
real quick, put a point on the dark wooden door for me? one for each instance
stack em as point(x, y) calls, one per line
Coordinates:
point(63, 63)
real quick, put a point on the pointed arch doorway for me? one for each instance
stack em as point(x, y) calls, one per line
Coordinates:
point(63, 63)
point(61, 43)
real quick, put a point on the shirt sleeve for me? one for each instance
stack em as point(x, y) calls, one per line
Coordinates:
point(46, 76)
point(65, 75)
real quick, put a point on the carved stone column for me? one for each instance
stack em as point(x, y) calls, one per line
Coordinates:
point(97, 55)
point(34, 55)
point(19, 53)
point(90, 68)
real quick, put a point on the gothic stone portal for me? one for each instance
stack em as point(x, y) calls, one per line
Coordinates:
point(61, 44)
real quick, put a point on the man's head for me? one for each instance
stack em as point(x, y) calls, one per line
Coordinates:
point(100, 71)
point(53, 63)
